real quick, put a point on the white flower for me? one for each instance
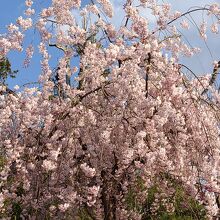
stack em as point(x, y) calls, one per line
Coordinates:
point(94, 190)
point(88, 171)
point(49, 165)
point(214, 28)
point(184, 24)
point(28, 3)
point(63, 207)
point(24, 23)
point(16, 87)
point(12, 28)
point(1, 200)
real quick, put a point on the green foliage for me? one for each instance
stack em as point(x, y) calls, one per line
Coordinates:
point(185, 206)
point(20, 190)
point(16, 211)
point(83, 214)
point(6, 71)
point(2, 162)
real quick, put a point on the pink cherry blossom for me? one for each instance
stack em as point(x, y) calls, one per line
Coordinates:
point(111, 118)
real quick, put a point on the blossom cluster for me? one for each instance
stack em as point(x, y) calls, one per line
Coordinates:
point(132, 122)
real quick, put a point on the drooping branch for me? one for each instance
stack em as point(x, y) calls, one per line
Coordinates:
point(148, 62)
point(213, 78)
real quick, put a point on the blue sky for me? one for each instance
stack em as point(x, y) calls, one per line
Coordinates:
point(11, 9)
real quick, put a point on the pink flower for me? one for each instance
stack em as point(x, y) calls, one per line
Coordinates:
point(214, 28)
point(28, 3)
point(24, 23)
point(88, 171)
point(185, 24)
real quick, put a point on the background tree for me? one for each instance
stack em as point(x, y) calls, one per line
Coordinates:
point(5, 73)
